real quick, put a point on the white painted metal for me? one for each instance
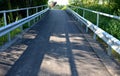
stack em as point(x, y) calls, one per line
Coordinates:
point(27, 16)
point(36, 12)
point(83, 13)
point(5, 20)
point(97, 23)
point(27, 12)
point(5, 23)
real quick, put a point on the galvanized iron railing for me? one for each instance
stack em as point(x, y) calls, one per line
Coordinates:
point(7, 28)
point(111, 41)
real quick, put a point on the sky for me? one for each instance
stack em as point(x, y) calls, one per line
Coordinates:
point(61, 2)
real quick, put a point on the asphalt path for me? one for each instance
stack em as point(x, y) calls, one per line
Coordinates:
point(55, 47)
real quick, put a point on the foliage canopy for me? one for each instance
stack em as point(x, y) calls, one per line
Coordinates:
point(13, 4)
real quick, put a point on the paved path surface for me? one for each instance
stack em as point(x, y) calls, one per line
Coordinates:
point(55, 47)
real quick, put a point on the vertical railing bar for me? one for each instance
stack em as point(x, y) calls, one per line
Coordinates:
point(27, 16)
point(97, 23)
point(36, 12)
point(83, 13)
point(86, 29)
point(27, 12)
point(5, 22)
point(77, 10)
point(42, 7)
point(84, 17)
point(97, 19)
point(109, 51)
point(41, 10)
point(34, 19)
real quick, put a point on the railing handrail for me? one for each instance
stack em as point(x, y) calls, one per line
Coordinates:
point(19, 9)
point(101, 13)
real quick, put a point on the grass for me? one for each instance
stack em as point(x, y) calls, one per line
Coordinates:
point(3, 39)
point(2, 22)
point(15, 32)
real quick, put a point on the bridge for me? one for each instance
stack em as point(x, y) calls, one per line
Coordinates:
point(57, 44)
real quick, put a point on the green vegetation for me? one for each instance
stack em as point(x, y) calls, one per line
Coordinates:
point(2, 22)
point(60, 7)
point(15, 32)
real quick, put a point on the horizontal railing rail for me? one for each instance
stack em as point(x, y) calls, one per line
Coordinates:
point(100, 13)
point(112, 42)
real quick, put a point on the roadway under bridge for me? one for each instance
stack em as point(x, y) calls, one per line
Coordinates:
point(55, 46)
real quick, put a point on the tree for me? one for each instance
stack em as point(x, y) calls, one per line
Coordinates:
point(12, 4)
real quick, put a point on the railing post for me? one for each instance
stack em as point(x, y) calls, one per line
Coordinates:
point(77, 10)
point(34, 19)
point(109, 51)
point(97, 23)
point(36, 9)
point(36, 12)
point(27, 16)
point(83, 13)
point(84, 16)
point(42, 7)
point(97, 19)
point(27, 12)
point(86, 29)
point(5, 22)
point(41, 10)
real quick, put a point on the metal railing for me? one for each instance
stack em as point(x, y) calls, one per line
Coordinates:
point(7, 28)
point(98, 16)
point(111, 41)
